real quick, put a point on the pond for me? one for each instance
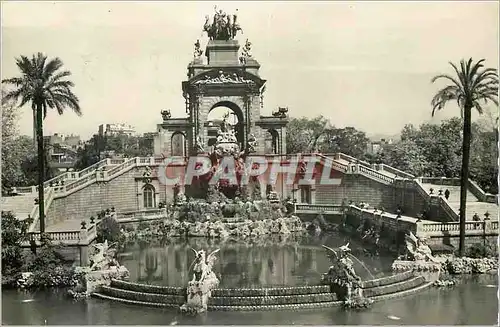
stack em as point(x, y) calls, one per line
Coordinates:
point(268, 262)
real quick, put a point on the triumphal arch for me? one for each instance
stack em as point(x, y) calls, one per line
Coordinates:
point(222, 76)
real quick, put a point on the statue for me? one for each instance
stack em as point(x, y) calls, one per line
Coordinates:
point(103, 268)
point(251, 143)
point(166, 115)
point(199, 146)
point(224, 125)
point(417, 249)
point(179, 197)
point(235, 27)
point(104, 258)
point(148, 172)
point(203, 282)
point(223, 27)
point(197, 50)
point(281, 112)
point(343, 279)
point(245, 54)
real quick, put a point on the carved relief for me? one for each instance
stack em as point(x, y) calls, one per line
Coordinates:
point(223, 78)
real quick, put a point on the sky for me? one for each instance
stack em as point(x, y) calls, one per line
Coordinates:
point(361, 64)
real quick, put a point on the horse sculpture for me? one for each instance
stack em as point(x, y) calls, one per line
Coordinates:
point(223, 26)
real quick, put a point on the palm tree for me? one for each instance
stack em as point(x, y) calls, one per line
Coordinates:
point(44, 85)
point(472, 87)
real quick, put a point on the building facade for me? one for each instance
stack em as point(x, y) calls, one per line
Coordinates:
point(225, 78)
point(116, 129)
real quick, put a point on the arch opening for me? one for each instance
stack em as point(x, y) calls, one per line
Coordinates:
point(271, 141)
point(178, 144)
point(234, 118)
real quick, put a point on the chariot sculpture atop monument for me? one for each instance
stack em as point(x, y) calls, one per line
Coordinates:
point(223, 26)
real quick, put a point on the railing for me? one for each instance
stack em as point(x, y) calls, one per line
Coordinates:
point(47, 200)
point(353, 160)
point(335, 164)
point(453, 229)
point(81, 181)
point(368, 172)
point(56, 180)
point(440, 181)
point(317, 208)
point(25, 190)
point(481, 194)
point(122, 166)
point(139, 214)
point(395, 171)
point(442, 201)
point(57, 236)
point(390, 220)
point(92, 168)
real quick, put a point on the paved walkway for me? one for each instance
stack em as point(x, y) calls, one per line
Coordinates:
point(71, 225)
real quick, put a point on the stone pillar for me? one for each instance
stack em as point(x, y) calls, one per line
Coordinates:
point(84, 255)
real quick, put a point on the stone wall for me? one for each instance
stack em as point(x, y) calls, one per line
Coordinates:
point(124, 192)
point(453, 240)
point(411, 201)
point(358, 189)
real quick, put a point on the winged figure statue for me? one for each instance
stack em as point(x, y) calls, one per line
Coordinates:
point(104, 257)
point(203, 264)
point(417, 248)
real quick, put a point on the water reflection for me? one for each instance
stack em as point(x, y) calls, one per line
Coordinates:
point(430, 307)
point(271, 262)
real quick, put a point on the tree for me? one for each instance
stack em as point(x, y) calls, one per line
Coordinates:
point(304, 134)
point(473, 86)
point(44, 85)
point(484, 156)
point(14, 232)
point(347, 140)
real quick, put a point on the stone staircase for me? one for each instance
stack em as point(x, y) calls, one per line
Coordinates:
point(21, 205)
point(260, 299)
point(474, 204)
point(106, 170)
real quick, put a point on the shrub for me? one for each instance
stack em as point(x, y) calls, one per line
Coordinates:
point(14, 232)
point(108, 229)
point(480, 250)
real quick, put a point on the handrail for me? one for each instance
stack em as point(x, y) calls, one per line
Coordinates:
point(395, 171)
point(371, 173)
point(448, 209)
point(91, 168)
point(351, 159)
point(49, 196)
point(317, 207)
point(442, 201)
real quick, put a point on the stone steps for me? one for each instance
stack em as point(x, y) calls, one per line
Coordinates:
point(168, 299)
point(20, 205)
point(394, 288)
point(127, 301)
point(279, 298)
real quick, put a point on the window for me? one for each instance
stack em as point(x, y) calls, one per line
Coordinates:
point(305, 194)
point(271, 142)
point(149, 197)
point(178, 144)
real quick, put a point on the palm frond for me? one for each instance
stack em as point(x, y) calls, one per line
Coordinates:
point(444, 95)
point(460, 75)
point(43, 84)
point(51, 67)
point(448, 77)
